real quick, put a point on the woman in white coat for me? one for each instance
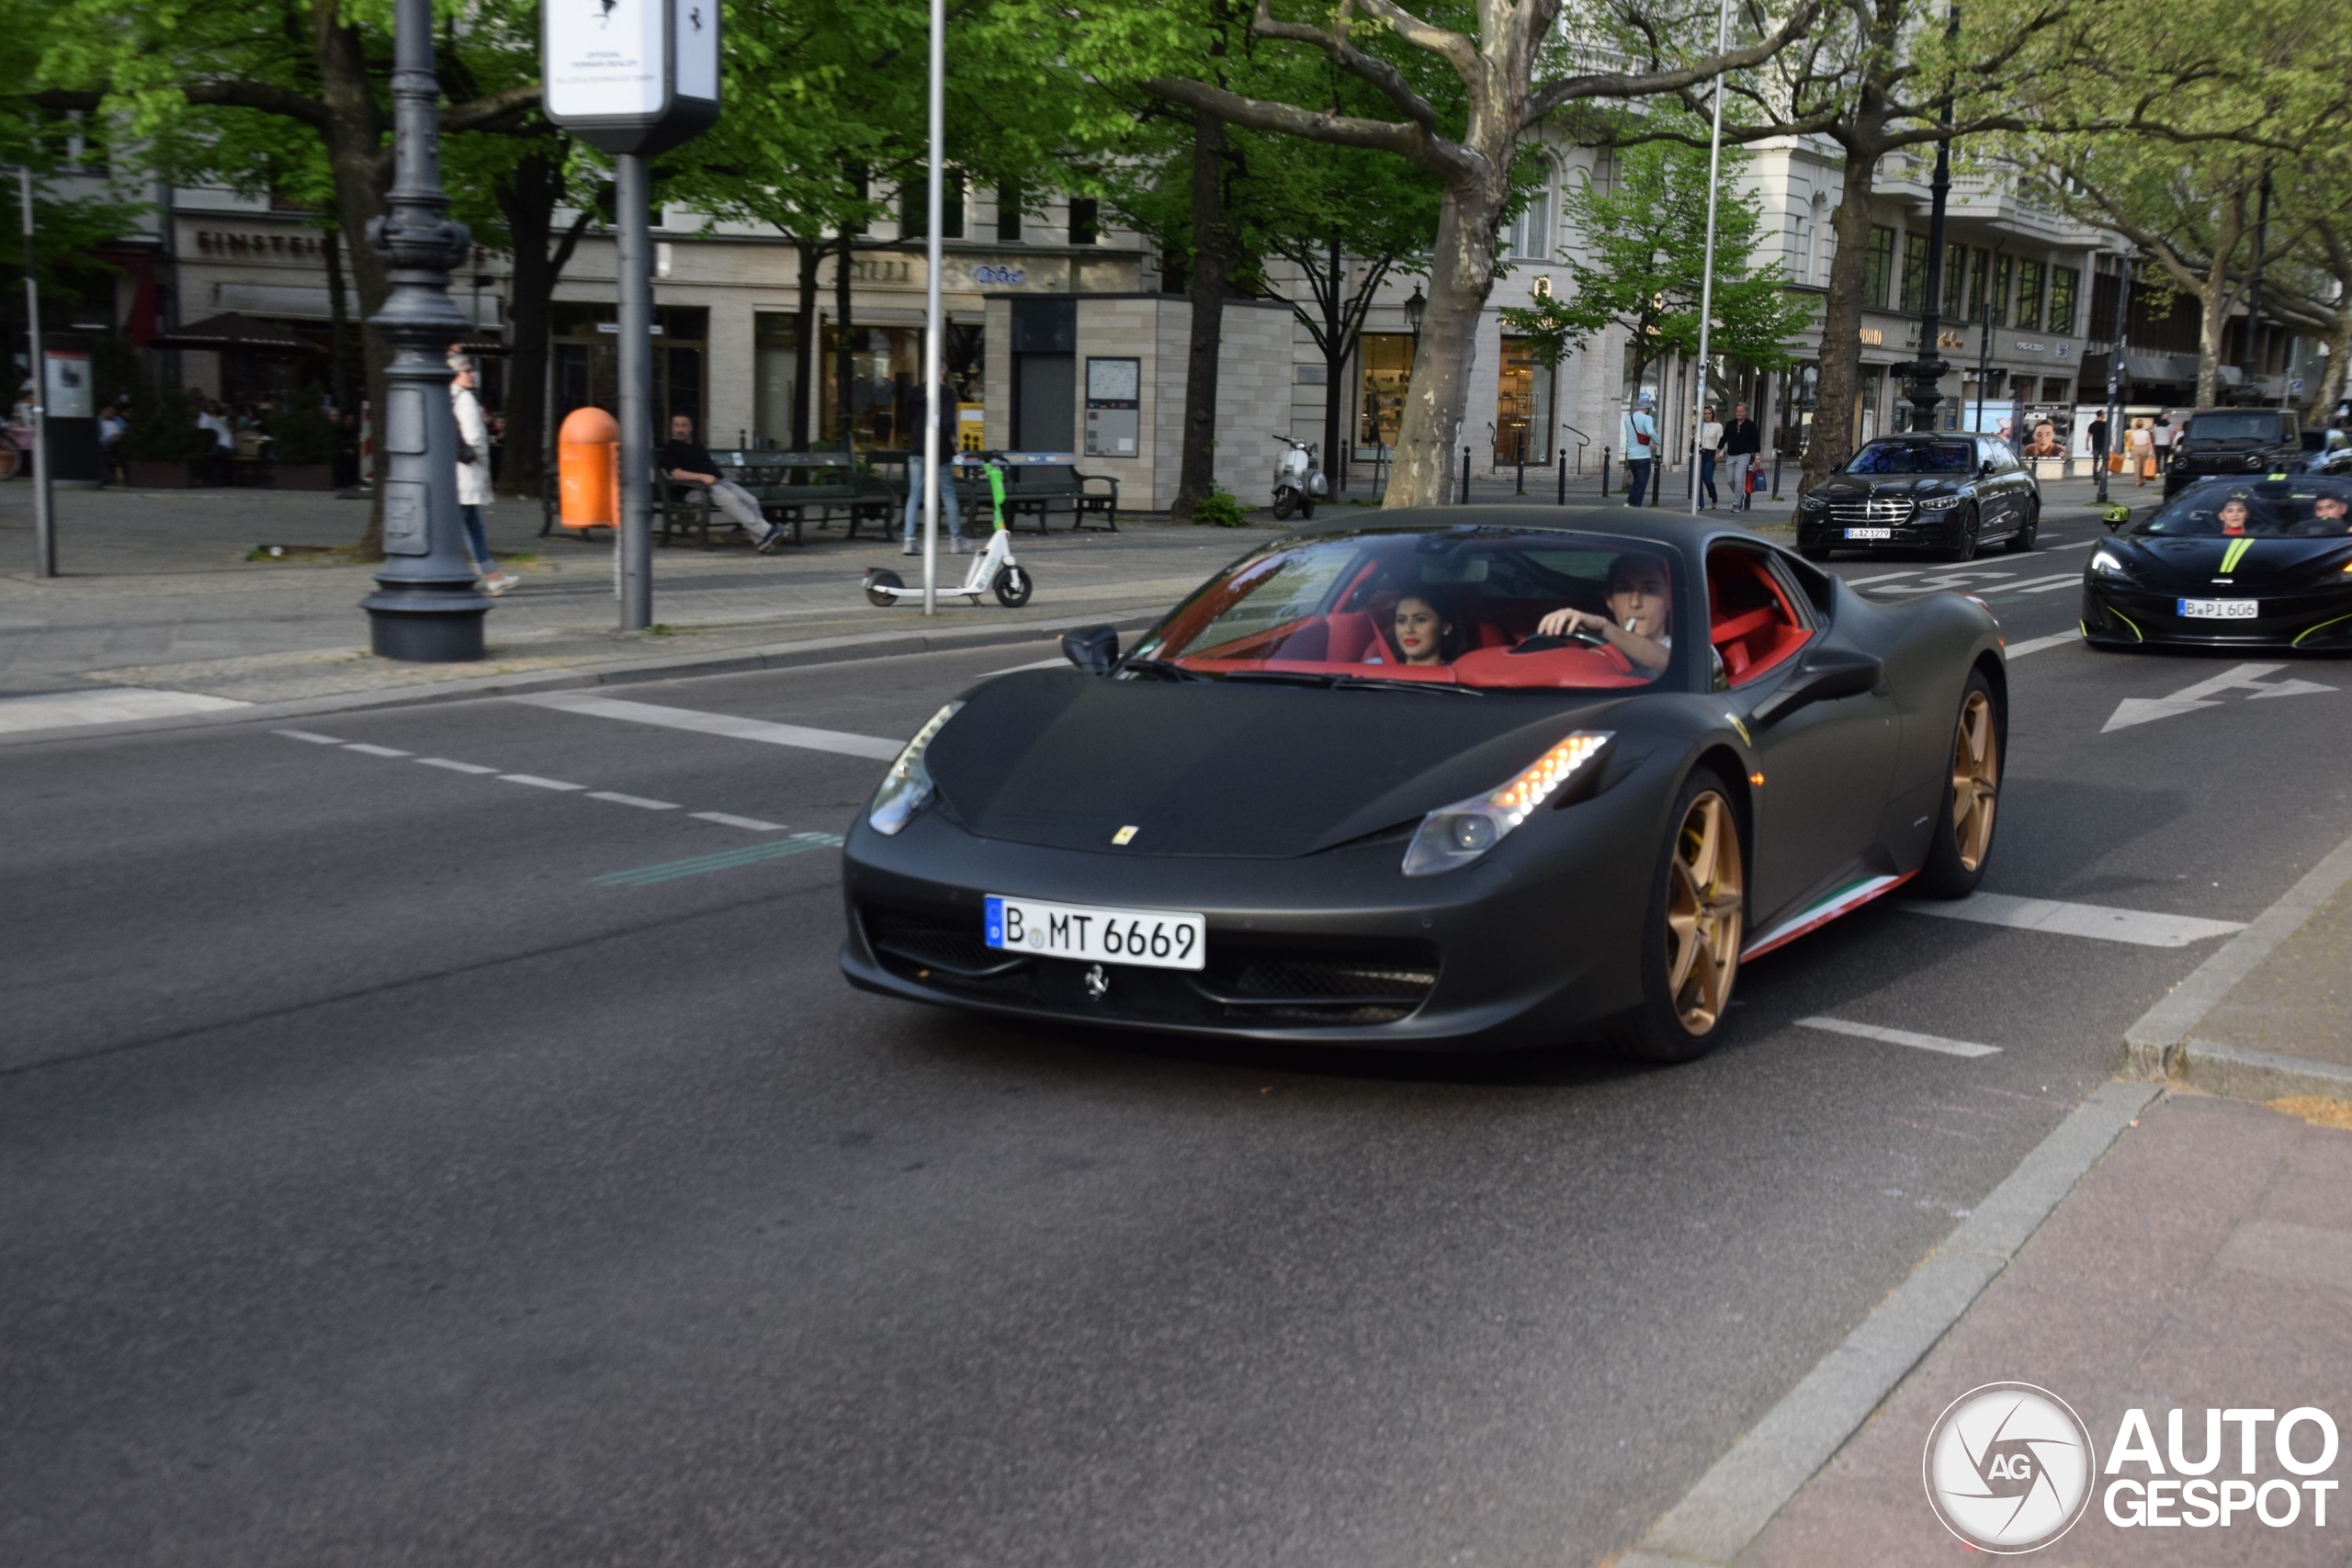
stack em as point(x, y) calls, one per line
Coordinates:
point(473, 477)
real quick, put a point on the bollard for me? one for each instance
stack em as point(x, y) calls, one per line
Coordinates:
point(588, 457)
point(1564, 479)
point(1776, 476)
point(1604, 473)
point(1522, 462)
point(1466, 476)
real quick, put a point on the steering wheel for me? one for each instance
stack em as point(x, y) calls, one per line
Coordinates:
point(1581, 638)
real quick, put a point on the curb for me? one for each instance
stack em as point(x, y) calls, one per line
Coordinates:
point(808, 653)
point(2161, 1046)
point(1730, 1505)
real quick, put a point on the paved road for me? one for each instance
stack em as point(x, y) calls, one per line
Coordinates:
point(406, 1155)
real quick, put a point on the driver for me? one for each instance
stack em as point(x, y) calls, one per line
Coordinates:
point(2331, 513)
point(1640, 623)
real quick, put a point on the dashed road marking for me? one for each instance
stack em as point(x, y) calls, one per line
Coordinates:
point(640, 802)
point(726, 860)
point(1936, 1043)
point(2043, 584)
point(731, 726)
point(313, 737)
point(538, 783)
point(2140, 927)
point(365, 750)
point(1882, 576)
point(2035, 645)
point(454, 766)
point(726, 820)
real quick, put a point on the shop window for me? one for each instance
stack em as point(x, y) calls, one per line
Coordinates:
point(2065, 287)
point(1085, 221)
point(1878, 267)
point(1915, 273)
point(1523, 407)
point(1997, 307)
point(1980, 266)
point(587, 361)
point(1955, 283)
point(1800, 392)
point(914, 206)
point(1530, 231)
point(775, 375)
point(2056, 389)
point(1388, 373)
point(2029, 281)
point(886, 363)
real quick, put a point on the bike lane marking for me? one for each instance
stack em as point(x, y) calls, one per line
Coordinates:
point(841, 742)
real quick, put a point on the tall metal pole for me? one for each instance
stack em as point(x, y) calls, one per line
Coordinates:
point(2115, 367)
point(632, 203)
point(1707, 280)
point(1927, 372)
point(425, 608)
point(934, 203)
point(44, 520)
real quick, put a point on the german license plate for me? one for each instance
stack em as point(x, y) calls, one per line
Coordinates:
point(2220, 609)
point(1870, 533)
point(1153, 938)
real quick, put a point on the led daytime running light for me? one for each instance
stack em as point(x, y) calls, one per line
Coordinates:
point(1519, 798)
point(907, 788)
point(1455, 835)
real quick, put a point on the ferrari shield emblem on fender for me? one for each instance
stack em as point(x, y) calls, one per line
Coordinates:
point(1124, 836)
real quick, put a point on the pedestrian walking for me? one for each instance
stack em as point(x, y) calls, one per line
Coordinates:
point(112, 430)
point(473, 474)
point(689, 462)
point(1710, 443)
point(2164, 433)
point(2141, 445)
point(1641, 448)
point(1743, 443)
point(915, 416)
point(2097, 434)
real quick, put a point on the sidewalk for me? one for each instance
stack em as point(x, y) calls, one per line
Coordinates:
point(158, 592)
point(2197, 1256)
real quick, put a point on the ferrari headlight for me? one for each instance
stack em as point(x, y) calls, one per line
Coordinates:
point(907, 787)
point(1938, 502)
point(2107, 564)
point(1457, 834)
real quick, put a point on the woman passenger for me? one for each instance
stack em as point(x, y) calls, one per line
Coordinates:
point(1422, 629)
point(1640, 623)
point(2234, 516)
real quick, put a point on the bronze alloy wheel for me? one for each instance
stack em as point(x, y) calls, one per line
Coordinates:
point(1702, 913)
point(1975, 780)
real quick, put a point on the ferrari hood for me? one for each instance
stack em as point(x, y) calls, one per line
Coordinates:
point(2251, 560)
point(1069, 760)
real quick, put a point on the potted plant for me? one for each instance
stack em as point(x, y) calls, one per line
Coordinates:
point(163, 446)
point(302, 444)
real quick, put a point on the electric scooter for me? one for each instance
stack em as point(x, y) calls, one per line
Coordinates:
point(993, 569)
point(1298, 483)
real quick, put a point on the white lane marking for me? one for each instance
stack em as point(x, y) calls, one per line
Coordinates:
point(112, 704)
point(2035, 645)
point(310, 736)
point(1883, 576)
point(2140, 927)
point(1900, 1037)
point(729, 725)
point(2043, 584)
point(2070, 544)
point(538, 783)
point(1948, 580)
point(636, 800)
point(1017, 669)
point(365, 750)
point(2206, 694)
point(724, 820)
point(454, 766)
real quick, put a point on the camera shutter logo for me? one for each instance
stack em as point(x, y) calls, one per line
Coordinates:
point(2008, 1467)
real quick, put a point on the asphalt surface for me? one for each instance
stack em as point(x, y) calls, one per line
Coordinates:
point(406, 1164)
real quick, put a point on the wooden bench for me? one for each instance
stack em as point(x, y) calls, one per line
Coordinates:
point(1037, 484)
point(792, 488)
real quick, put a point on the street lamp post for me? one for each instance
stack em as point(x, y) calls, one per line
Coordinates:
point(2115, 367)
point(44, 519)
point(1925, 372)
point(425, 608)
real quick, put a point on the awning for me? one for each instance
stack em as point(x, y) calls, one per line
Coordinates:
point(235, 331)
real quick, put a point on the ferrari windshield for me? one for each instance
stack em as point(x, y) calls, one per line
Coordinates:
point(1915, 457)
point(2306, 506)
point(2248, 424)
point(1466, 606)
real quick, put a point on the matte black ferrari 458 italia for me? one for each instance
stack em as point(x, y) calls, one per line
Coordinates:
point(2228, 564)
point(1530, 778)
point(1945, 493)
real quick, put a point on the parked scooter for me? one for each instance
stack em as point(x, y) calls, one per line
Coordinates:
point(993, 569)
point(1298, 482)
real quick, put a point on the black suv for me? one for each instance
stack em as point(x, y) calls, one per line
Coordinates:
point(1946, 493)
point(2234, 441)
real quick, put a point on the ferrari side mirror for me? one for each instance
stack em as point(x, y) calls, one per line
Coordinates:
point(1827, 675)
point(1092, 648)
point(2115, 514)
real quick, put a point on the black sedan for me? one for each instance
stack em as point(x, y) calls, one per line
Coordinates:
point(1946, 493)
point(2228, 564)
point(1437, 782)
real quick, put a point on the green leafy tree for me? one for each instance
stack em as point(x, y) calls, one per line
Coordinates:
point(1646, 268)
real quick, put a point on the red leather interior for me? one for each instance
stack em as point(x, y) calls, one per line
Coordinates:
point(1751, 622)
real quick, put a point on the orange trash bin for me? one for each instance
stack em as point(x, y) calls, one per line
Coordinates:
point(588, 470)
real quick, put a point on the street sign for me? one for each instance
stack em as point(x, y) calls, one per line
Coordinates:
point(630, 75)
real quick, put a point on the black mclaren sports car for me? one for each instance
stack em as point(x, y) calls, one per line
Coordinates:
point(1500, 779)
point(2228, 563)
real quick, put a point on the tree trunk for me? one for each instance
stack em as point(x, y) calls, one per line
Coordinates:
point(804, 339)
point(1841, 319)
point(1211, 264)
point(362, 167)
point(1335, 358)
point(2214, 297)
point(342, 352)
point(1462, 275)
point(844, 404)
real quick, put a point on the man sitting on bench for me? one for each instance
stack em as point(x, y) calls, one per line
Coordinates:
point(688, 462)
